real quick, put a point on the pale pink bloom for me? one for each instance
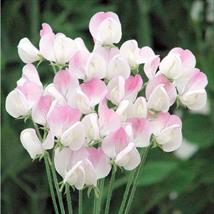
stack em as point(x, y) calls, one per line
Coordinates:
point(66, 84)
point(118, 66)
point(167, 131)
point(41, 109)
point(128, 109)
point(141, 131)
point(132, 86)
point(96, 66)
point(91, 126)
point(56, 47)
point(130, 51)
point(77, 64)
point(160, 93)
point(33, 145)
point(64, 124)
point(116, 90)
point(177, 63)
point(108, 119)
point(120, 88)
point(27, 51)
point(192, 90)
point(28, 91)
point(92, 92)
point(105, 28)
point(83, 167)
point(118, 147)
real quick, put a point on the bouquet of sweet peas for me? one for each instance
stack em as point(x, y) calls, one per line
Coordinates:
point(104, 110)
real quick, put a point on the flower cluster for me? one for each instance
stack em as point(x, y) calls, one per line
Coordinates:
point(98, 111)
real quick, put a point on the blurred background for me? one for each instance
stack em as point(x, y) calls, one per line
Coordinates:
point(181, 182)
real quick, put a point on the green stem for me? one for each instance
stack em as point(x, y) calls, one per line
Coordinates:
point(134, 186)
point(50, 184)
point(110, 191)
point(37, 131)
point(95, 204)
point(59, 194)
point(125, 195)
point(80, 201)
point(99, 203)
point(68, 197)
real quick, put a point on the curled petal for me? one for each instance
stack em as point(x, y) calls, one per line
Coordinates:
point(27, 52)
point(46, 29)
point(31, 142)
point(16, 104)
point(146, 53)
point(74, 137)
point(129, 157)
point(95, 89)
point(151, 67)
point(108, 119)
point(61, 117)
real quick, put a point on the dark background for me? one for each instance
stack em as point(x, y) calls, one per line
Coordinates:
point(169, 184)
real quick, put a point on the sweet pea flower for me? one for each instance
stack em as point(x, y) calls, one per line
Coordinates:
point(57, 47)
point(20, 101)
point(90, 94)
point(177, 63)
point(105, 28)
point(64, 124)
point(33, 145)
point(150, 60)
point(192, 91)
point(118, 147)
point(119, 88)
point(167, 131)
point(83, 167)
point(128, 109)
point(130, 51)
point(108, 120)
point(141, 131)
point(160, 93)
point(27, 51)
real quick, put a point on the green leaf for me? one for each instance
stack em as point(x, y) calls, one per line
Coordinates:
point(156, 171)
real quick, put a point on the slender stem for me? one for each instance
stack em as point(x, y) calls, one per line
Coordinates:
point(50, 184)
point(99, 203)
point(68, 197)
point(110, 191)
point(125, 195)
point(80, 201)
point(95, 204)
point(134, 186)
point(59, 194)
point(37, 131)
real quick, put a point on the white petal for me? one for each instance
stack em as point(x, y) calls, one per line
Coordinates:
point(82, 102)
point(31, 142)
point(159, 100)
point(48, 142)
point(74, 137)
point(16, 104)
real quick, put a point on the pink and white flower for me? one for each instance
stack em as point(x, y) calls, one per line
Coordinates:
point(167, 131)
point(82, 167)
point(160, 93)
point(33, 145)
point(105, 28)
point(118, 147)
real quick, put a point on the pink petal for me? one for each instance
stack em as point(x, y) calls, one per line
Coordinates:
point(168, 86)
point(187, 57)
point(100, 162)
point(151, 66)
point(95, 89)
point(146, 53)
point(97, 19)
point(41, 108)
point(30, 73)
point(132, 86)
point(65, 83)
point(61, 118)
point(108, 119)
point(141, 130)
point(46, 29)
